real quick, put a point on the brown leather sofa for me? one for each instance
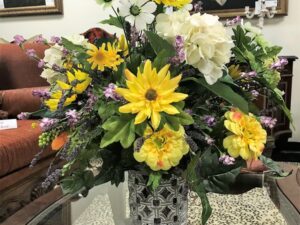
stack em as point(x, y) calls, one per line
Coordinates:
point(19, 75)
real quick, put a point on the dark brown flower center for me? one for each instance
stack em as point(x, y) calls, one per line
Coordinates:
point(151, 95)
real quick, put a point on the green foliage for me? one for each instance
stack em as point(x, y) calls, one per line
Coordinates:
point(274, 167)
point(114, 21)
point(154, 180)
point(159, 44)
point(119, 129)
point(77, 181)
point(224, 91)
point(107, 109)
point(72, 47)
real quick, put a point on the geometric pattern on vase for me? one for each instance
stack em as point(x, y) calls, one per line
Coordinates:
point(167, 205)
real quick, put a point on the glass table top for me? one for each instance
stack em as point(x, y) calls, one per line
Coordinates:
point(108, 205)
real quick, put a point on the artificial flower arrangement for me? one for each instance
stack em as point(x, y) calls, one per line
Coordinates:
point(173, 95)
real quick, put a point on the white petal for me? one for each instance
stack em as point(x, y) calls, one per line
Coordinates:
point(140, 2)
point(148, 18)
point(140, 23)
point(130, 19)
point(150, 7)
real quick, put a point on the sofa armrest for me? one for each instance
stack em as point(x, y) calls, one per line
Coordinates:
point(16, 101)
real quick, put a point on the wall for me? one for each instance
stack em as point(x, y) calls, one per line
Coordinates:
point(79, 15)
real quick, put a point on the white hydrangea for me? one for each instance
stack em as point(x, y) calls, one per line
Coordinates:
point(78, 39)
point(207, 44)
point(53, 56)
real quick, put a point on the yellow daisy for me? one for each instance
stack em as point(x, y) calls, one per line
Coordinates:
point(248, 138)
point(104, 57)
point(56, 96)
point(78, 82)
point(149, 93)
point(163, 149)
point(174, 3)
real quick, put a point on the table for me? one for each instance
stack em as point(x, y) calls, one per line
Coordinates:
point(108, 205)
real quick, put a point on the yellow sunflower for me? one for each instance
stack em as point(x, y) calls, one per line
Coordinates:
point(78, 82)
point(104, 57)
point(163, 149)
point(174, 3)
point(149, 93)
point(248, 138)
point(56, 96)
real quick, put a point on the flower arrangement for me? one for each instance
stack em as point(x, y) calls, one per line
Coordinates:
point(174, 94)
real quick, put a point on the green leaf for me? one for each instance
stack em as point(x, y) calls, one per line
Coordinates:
point(223, 91)
point(161, 59)
point(274, 167)
point(171, 120)
point(140, 128)
point(159, 44)
point(114, 21)
point(72, 47)
point(154, 180)
point(119, 129)
point(89, 179)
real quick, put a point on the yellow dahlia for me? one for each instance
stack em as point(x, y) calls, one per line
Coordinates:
point(78, 82)
point(248, 138)
point(55, 99)
point(163, 149)
point(149, 93)
point(104, 57)
point(174, 3)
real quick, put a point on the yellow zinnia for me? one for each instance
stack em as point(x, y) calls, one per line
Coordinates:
point(248, 137)
point(78, 82)
point(149, 93)
point(163, 149)
point(174, 3)
point(104, 57)
point(56, 96)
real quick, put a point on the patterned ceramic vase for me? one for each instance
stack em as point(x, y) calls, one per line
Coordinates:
point(167, 205)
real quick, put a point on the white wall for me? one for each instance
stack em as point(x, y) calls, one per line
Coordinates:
point(80, 15)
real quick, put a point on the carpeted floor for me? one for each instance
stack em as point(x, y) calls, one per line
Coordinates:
point(251, 208)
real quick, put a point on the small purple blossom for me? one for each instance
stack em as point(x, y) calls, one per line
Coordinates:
point(254, 93)
point(72, 116)
point(41, 94)
point(233, 22)
point(189, 111)
point(110, 92)
point(55, 39)
point(19, 39)
point(23, 116)
point(209, 140)
point(279, 64)
point(250, 74)
point(91, 101)
point(180, 52)
point(268, 122)
point(227, 160)
point(40, 40)
point(209, 120)
point(31, 53)
point(65, 51)
point(47, 123)
point(41, 63)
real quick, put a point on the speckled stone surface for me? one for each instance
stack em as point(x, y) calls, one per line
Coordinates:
point(251, 208)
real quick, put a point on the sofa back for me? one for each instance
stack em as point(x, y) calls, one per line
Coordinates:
point(17, 70)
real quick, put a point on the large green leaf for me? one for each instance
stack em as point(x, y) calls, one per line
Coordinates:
point(273, 167)
point(223, 91)
point(114, 21)
point(159, 44)
point(72, 47)
point(119, 129)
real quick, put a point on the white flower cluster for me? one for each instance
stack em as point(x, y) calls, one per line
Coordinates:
point(207, 44)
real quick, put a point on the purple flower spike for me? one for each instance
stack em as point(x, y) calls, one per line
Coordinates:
point(180, 52)
point(110, 92)
point(233, 22)
point(209, 120)
point(72, 117)
point(41, 94)
point(31, 53)
point(227, 160)
point(250, 74)
point(23, 116)
point(268, 122)
point(19, 39)
point(47, 123)
point(41, 64)
point(40, 40)
point(279, 64)
point(55, 39)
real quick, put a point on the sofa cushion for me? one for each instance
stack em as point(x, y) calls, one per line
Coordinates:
point(16, 101)
point(17, 70)
point(18, 147)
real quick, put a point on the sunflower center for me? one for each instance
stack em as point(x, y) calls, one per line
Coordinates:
point(135, 10)
point(99, 56)
point(151, 95)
